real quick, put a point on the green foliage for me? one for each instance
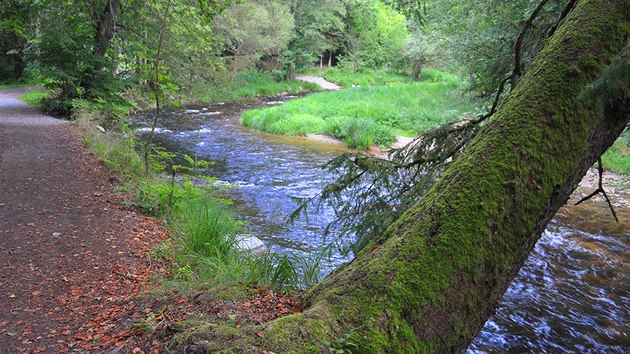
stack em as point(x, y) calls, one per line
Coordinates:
point(254, 29)
point(415, 10)
point(377, 34)
point(35, 98)
point(358, 34)
point(479, 36)
point(421, 49)
point(361, 77)
point(320, 26)
point(617, 157)
point(367, 115)
point(67, 60)
point(13, 34)
point(246, 85)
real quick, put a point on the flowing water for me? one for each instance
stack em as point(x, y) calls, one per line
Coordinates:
point(572, 295)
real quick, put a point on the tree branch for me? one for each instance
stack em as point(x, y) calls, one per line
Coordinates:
point(516, 73)
point(564, 14)
point(600, 189)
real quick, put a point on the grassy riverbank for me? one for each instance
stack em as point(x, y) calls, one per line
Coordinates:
point(362, 77)
point(368, 115)
point(203, 250)
point(245, 86)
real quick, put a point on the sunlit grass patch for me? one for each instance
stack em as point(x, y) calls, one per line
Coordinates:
point(367, 115)
point(247, 85)
point(35, 98)
point(617, 158)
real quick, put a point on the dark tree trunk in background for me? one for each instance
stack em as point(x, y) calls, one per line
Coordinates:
point(12, 45)
point(417, 70)
point(105, 27)
point(433, 279)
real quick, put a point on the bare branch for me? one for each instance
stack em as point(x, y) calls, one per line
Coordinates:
point(516, 73)
point(564, 14)
point(600, 189)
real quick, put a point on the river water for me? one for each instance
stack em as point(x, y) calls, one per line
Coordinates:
point(572, 294)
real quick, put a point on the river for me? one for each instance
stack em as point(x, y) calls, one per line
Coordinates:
point(572, 294)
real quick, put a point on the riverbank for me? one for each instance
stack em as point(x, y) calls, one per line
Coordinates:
point(240, 314)
point(368, 115)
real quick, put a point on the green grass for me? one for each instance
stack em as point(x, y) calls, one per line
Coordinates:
point(245, 86)
point(35, 98)
point(379, 77)
point(617, 158)
point(367, 115)
point(203, 248)
point(362, 77)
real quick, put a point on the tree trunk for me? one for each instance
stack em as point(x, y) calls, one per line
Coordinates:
point(433, 279)
point(105, 27)
point(417, 70)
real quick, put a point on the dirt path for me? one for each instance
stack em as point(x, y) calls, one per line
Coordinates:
point(323, 83)
point(72, 257)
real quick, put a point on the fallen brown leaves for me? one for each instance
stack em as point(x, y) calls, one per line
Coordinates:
point(267, 305)
point(110, 302)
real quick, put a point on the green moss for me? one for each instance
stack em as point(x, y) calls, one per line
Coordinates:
point(201, 337)
point(428, 284)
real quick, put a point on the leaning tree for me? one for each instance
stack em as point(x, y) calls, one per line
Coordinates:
point(430, 282)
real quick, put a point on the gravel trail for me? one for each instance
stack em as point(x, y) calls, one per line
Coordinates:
point(72, 257)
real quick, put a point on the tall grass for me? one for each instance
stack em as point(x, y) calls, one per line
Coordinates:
point(377, 77)
point(245, 85)
point(206, 251)
point(361, 77)
point(367, 115)
point(207, 228)
point(617, 157)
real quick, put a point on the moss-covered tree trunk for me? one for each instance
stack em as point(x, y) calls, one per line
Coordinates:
point(432, 280)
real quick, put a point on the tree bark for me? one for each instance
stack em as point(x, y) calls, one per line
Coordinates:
point(105, 27)
point(433, 279)
point(417, 70)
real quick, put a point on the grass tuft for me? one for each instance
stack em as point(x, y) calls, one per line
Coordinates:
point(35, 98)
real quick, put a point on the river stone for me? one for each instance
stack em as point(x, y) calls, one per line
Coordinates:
point(250, 243)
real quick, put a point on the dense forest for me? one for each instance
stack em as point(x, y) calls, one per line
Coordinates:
point(98, 49)
point(505, 106)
